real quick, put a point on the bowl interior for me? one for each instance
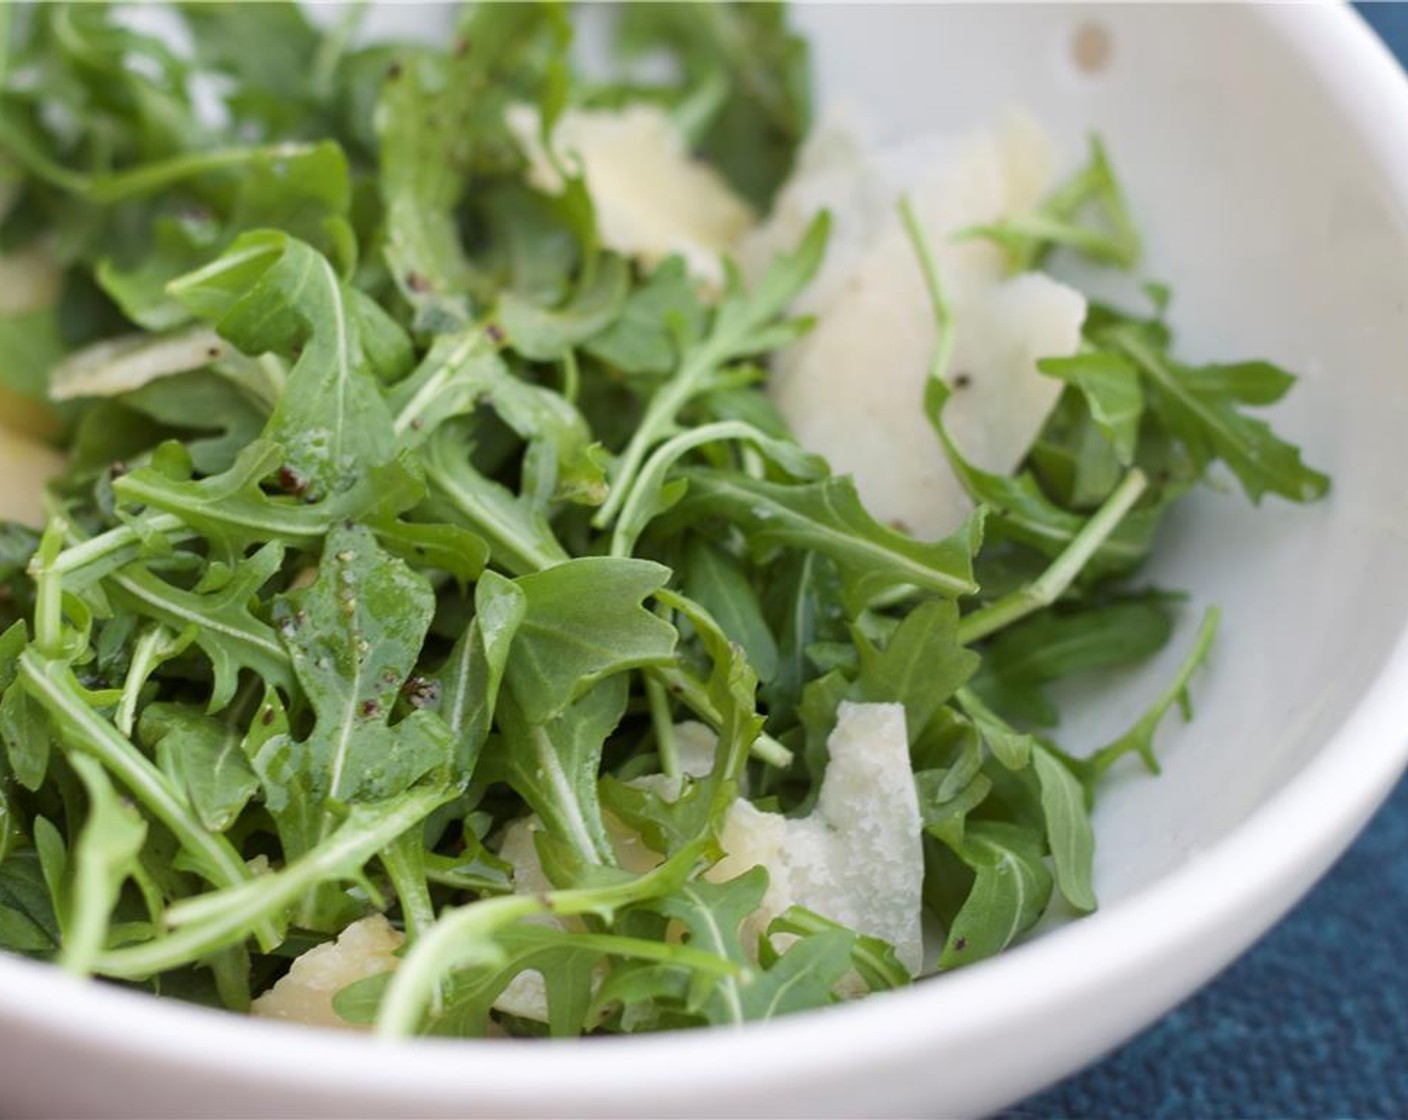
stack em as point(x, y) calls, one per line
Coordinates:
point(1266, 184)
point(1270, 221)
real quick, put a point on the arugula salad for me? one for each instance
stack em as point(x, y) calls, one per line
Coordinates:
point(506, 547)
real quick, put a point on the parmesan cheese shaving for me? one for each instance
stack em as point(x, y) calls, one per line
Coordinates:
point(853, 388)
point(858, 858)
point(652, 198)
point(120, 365)
point(26, 465)
point(364, 949)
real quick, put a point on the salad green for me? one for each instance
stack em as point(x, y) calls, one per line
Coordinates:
point(398, 511)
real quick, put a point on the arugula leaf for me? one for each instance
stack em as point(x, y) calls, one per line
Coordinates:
point(204, 757)
point(719, 583)
point(103, 858)
point(748, 74)
point(1009, 894)
point(1067, 828)
point(1110, 383)
point(1052, 645)
point(469, 680)
point(1202, 414)
point(744, 324)
point(270, 293)
point(1139, 739)
point(1111, 239)
point(1027, 515)
point(584, 622)
point(353, 638)
point(515, 526)
point(440, 118)
point(827, 517)
point(921, 666)
point(656, 318)
point(27, 920)
point(553, 764)
point(547, 334)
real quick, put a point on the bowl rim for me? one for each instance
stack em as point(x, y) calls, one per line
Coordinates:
point(1290, 837)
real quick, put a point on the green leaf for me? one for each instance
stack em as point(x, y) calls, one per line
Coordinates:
point(657, 316)
point(1068, 828)
point(27, 920)
point(270, 293)
point(802, 603)
point(1010, 891)
point(750, 75)
point(207, 402)
point(745, 323)
point(1023, 513)
point(470, 678)
point(713, 914)
point(460, 372)
point(514, 526)
point(1208, 423)
point(1110, 239)
point(203, 757)
point(545, 334)
point(584, 622)
point(827, 517)
point(871, 957)
point(103, 858)
point(1110, 383)
point(24, 731)
point(353, 638)
point(920, 667)
point(656, 490)
point(440, 119)
point(234, 512)
point(803, 977)
point(1011, 748)
point(947, 796)
point(1052, 645)
point(302, 191)
point(226, 630)
point(554, 763)
point(1139, 739)
point(720, 584)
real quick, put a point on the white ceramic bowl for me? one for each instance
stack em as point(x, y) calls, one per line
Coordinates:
point(1266, 151)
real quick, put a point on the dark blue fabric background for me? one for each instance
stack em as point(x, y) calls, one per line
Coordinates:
point(1312, 1022)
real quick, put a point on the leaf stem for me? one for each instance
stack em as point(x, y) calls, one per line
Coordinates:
point(464, 936)
point(50, 683)
point(222, 919)
point(1052, 583)
point(694, 696)
point(929, 265)
point(111, 545)
point(659, 415)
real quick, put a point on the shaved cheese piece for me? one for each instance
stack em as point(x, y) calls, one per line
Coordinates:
point(120, 365)
point(29, 281)
point(652, 198)
point(26, 465)
point(364, 949)
point(526, 994)
point(853, 388)
point(858, 858)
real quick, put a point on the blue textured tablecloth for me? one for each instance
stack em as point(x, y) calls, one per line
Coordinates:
point(1312, 1022)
